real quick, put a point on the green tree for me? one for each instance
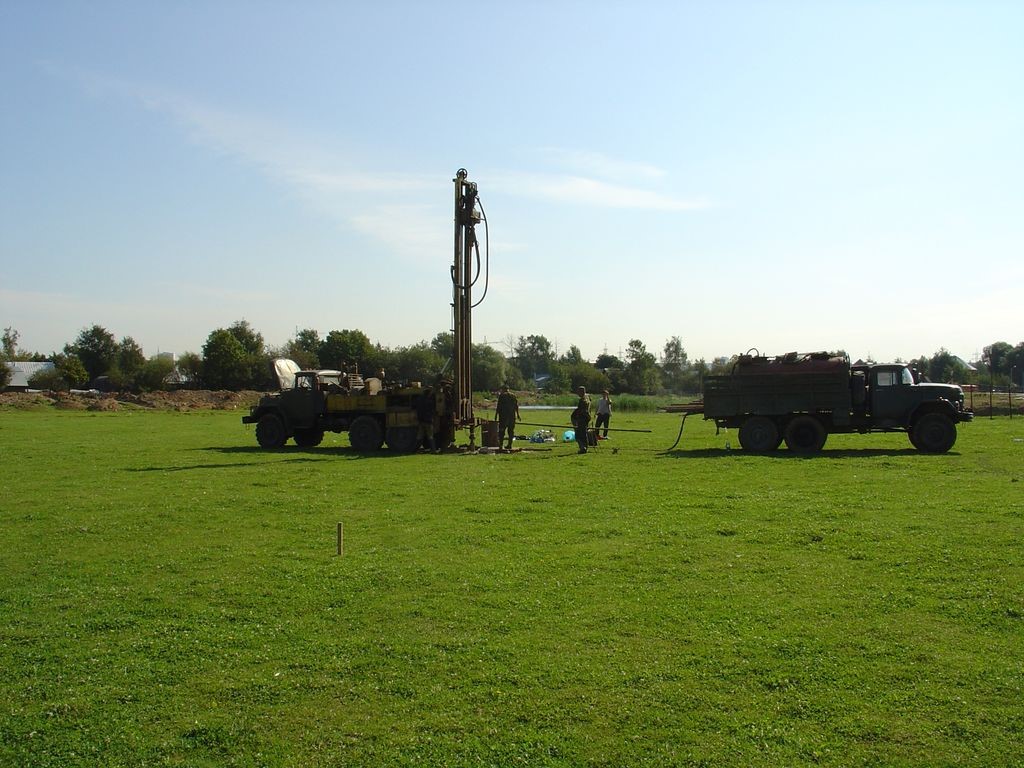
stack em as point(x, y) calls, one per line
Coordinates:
point(617, 379)
point(377, 359)
point(257, 358)
point(489, 368)
point(67, 373)
point(674, 365)
point(152, 375)
point(720, 365)
point(1017, 365)
point(72, 369)
point(583, 374)
point(190, 369)
point(10, 344)
point(304, 349)
point(9, 353)
point(560, 381)
point(420, 362)
point(97, 348)
point(343, 349)
point(642, 376)
point(444, 344)
point(944, 366)
point(695, 380)
point(129, 356)
point(48, 379)
point(573, 356)
point(533, 355)
point(225, 361)
point(606, 362)
point(998, 356)
point(247, 336)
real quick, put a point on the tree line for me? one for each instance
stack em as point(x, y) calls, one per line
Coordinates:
point(237, 357)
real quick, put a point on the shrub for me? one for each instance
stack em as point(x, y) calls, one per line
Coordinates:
point(49, 378)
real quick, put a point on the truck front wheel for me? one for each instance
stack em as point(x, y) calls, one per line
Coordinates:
point(270, 432)
point(934, 433)
point(805, 434)
point(759, 434)
point(365, 434)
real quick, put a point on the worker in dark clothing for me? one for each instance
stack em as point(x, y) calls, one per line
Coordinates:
point(506, 413)
point(425, 409)
point(581, 419)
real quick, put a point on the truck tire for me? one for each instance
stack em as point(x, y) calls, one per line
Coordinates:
point(759, 434)
point(934, 433)
point(402, 439)
point(309, 438)
point(365, 434)
point(805, 434)
point(270, 432)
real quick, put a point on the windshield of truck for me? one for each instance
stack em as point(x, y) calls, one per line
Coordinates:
point(907, 376)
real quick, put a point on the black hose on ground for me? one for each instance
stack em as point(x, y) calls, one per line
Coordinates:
point(680, 435)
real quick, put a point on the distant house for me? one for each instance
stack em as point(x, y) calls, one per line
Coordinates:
point(22, 371)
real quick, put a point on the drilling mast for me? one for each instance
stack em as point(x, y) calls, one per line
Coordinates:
point(467, 216)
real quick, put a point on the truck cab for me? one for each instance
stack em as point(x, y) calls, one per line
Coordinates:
point(895, 398)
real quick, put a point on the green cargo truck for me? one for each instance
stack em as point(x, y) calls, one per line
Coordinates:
point(801, 398)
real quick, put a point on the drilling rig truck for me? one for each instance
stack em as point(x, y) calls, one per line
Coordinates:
point(375, 412)
point(801, 398)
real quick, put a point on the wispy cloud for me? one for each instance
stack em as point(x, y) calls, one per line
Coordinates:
point(418, 231)
point(276, 149)
point(579, 190)
point(335, 185)
point(600, 165)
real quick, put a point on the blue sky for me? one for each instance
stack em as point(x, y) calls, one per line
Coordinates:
point(778, 175)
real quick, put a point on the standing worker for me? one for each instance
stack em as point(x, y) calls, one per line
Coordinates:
point(425, 410)
point(506, 413)
point(581, 419)
point(604, 413)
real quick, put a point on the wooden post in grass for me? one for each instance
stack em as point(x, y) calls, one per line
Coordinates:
point(1009, 393)
point(341, 539)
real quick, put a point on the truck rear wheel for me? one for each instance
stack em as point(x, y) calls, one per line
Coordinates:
point(402, 439)
point(270, 432)
point(805, 434)
point(759, 434)
point(934, 433)
point(365, 434)
point(309, 438)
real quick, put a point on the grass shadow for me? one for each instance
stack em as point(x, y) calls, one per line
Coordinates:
point(317, 453)
point(234, 465)
point(784, 455)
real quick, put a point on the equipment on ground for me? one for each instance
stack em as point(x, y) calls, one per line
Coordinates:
point(373, 411)
point(801, 398)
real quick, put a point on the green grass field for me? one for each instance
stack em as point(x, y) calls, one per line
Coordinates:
point(171, 596)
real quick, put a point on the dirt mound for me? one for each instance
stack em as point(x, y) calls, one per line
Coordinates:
point(67, 402)
point(27, 401)
point(103, 404)
point(182, 400)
